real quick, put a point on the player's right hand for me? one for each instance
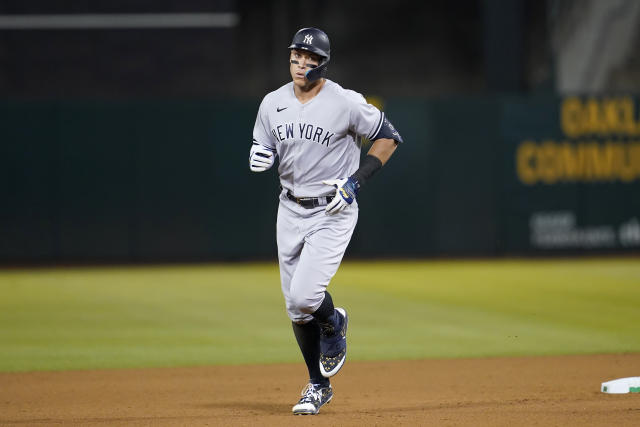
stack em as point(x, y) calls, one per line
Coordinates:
point(261, 158)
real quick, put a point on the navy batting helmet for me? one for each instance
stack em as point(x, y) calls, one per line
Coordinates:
point(316, 41)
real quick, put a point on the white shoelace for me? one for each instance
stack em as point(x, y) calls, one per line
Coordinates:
point(309, 393)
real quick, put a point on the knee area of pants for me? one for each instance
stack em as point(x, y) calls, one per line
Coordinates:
point(303, 304)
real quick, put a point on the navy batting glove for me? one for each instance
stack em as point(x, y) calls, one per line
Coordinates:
point(349, 190)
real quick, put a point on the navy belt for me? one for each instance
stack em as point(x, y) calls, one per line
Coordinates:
point(310, 202)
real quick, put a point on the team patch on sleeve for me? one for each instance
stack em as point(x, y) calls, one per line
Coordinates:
point(387, 130)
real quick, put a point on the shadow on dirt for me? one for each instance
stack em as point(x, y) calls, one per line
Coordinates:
point(251, 407)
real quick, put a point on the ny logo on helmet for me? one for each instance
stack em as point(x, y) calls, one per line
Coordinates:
point(308, 39)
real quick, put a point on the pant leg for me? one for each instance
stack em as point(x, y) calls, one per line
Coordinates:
point(325, 243)
point(290, 240)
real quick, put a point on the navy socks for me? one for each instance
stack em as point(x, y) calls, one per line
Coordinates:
point(308, 338)
point(325, 313)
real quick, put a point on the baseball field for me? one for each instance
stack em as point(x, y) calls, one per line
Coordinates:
point(487, 342)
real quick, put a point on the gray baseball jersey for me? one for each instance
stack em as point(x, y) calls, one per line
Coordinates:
point(317, 140)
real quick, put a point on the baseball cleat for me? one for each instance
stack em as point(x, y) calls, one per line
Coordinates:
point(333, 345)
point(313, 397)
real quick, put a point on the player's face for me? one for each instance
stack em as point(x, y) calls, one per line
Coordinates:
point(300, 62)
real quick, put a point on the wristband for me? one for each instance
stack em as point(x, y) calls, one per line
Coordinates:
point(370, 165)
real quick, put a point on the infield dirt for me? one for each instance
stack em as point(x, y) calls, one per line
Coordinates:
point(544, 391)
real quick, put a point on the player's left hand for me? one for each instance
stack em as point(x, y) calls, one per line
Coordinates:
point(346, 193)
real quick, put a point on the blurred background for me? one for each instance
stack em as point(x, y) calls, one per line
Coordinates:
point(125, 126)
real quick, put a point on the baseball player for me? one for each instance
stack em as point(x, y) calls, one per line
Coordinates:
point(315, 127)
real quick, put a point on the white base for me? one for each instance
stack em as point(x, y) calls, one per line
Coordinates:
point(621, 386)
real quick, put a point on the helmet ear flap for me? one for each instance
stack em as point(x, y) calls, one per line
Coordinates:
point(318, 72)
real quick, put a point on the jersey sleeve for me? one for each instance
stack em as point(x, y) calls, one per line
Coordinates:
point(364, 118)
point(261, 134)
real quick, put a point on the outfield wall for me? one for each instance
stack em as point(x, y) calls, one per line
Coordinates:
point(169, 180)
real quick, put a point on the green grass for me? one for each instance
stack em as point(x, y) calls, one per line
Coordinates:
point(83, 318)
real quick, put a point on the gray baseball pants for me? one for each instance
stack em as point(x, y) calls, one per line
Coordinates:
point(311, 245)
